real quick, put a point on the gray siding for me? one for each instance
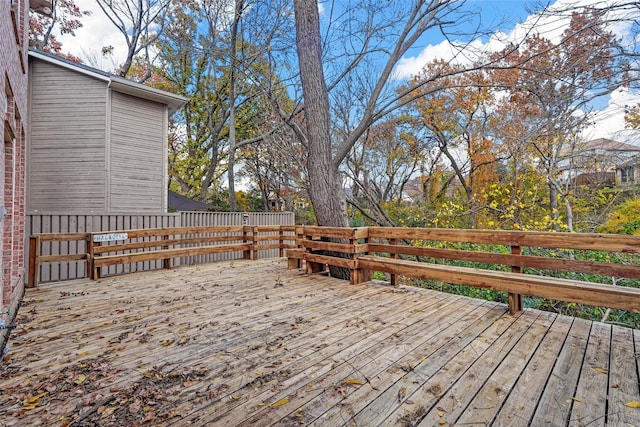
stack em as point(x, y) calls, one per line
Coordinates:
point(66, 152)
point(137, 155)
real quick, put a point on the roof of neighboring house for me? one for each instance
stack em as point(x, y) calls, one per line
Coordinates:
point(179, 202)
point(607, 144)
point(116, 83)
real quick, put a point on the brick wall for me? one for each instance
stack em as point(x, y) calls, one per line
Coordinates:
point(13, 119)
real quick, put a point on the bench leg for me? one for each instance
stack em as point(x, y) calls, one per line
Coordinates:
point(315, 267)
point(515, 303)
point(294, 263)
point(359, 275)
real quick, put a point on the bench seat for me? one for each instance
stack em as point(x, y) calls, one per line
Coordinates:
point(624, 298)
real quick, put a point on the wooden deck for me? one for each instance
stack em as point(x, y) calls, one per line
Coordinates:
point(251, 343)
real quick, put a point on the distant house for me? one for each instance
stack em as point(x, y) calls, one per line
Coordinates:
point(595, 162)
point(97, 143)
point(628, 173)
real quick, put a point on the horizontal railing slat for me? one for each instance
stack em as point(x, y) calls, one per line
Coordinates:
point(168, 253)
point(558, 264)
point(583, 241)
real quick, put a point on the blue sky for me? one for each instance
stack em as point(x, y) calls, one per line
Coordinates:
point(509, 18)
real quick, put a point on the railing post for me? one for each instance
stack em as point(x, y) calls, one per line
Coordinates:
point(355, 274)
point(166, 263)
point(393, 278)
point(281, 241)
point(34, 261)
point(245, 239)
point(95, 271)
point(297, 262)
point(256, 255)
point(90, 255)
point(311, 266)
point(358, 275)
point(515, 300)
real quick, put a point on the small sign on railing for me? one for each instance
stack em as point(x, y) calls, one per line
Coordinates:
point(109, 237)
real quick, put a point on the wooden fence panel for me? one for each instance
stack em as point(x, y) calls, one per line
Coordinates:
point(218, 219)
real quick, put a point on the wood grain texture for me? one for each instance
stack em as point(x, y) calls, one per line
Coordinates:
point(252, 343)
point(624, 298)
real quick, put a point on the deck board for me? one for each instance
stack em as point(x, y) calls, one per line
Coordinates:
point(251, 343)
point(623, 379)
point(554, 406)
point(593, 379)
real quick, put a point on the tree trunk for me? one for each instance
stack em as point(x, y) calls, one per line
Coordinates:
point(233, 50)
point(325, 188)
point(553, 206)
point(326, 192)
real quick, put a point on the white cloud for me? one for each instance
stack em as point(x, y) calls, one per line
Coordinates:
point(609, 122)
point(321, 8)
point(549, 25)
point(96, 32)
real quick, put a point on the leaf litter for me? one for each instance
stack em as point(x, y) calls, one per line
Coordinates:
point(93, 398)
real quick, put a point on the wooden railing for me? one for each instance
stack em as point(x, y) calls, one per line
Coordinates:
point(508, 261)
point(420, 253)
point(105, 249)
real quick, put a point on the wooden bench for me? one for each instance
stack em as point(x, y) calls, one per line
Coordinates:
point(594, 294)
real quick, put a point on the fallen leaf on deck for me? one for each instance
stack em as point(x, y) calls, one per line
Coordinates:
point(108, 412)
point(31, 402)
point(601, 370)
point(279, 402)
point(80, 379)
point(402, 393)
point(34, 399)
point(135, 407)
point(440, 413)
point(635, 404)
point(188, 383)
point(353, 381)
point(575, 399)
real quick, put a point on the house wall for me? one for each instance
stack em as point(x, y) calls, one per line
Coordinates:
point(13, 111)
point(137, 155)
point(66, 150)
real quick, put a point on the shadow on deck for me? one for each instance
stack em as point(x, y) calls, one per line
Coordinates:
point(251, 343)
